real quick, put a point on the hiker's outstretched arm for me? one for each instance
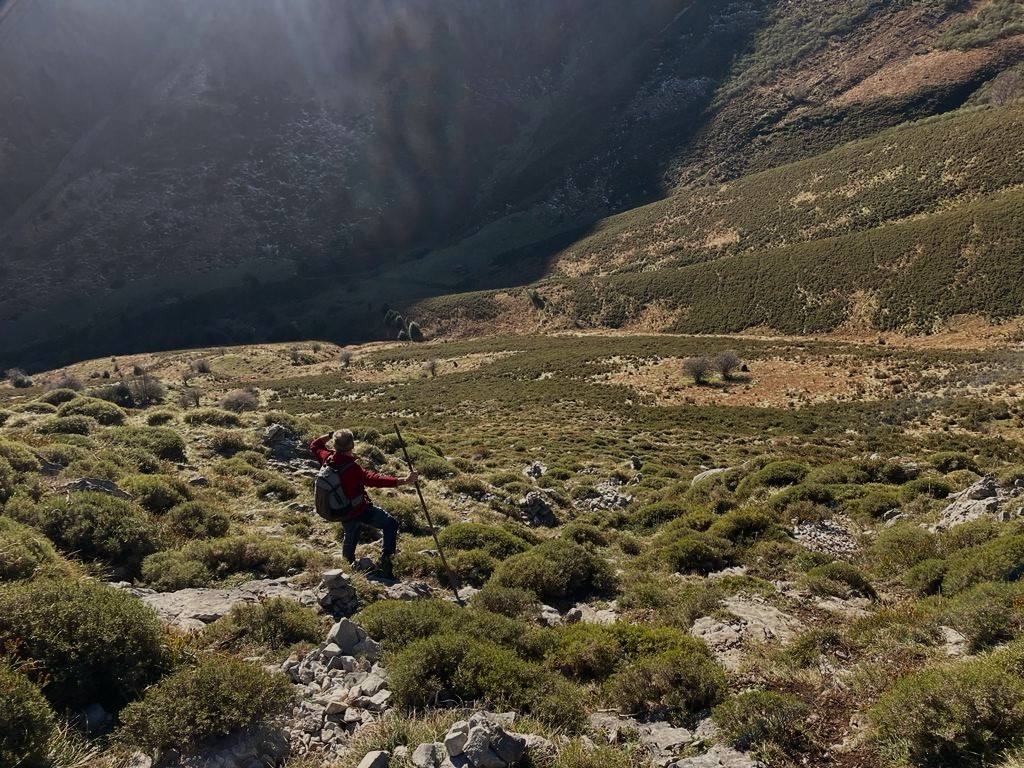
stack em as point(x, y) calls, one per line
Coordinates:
point(318, 447)
point(373, 479)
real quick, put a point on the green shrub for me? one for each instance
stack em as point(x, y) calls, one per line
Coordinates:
point(435, 468)
point(19, 456)
point(839, 579)
point(157, 493)
point(58, 396)
point(804, 650)
point(67, 425)
point(698, 553)
point(557, 570)
point(971, 534)
point(594, 651)
point(453, 667)
point(874, 504)
point(755, 719)
point(788, 499)
point(926, 577)
point(653, 515)
point(901, 547)
point(96, 527)
point(101, 411)
point(933, 487)
point(1001, 559)
point(24, 552)
point(222, 557)
point(216, 697)
point(584, 533)
point(160, 441)
point(8, 479)
point(493, 539)
point(470, 486)
point(228, 443)
point(963, 713)
point(89, 642)
point(277, 487)
point(275, 625)
point(159, 418)
point(214, 417)
point(777, 474)
point(473, 566)
point(840, 473)
point(196, 520)
point(743, 526)
point(673, 685)
point(170, 571)
point(27, 721)
point(951, 461)
point(987, 614)
point(507, 601)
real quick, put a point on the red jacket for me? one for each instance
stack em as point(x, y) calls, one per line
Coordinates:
point(354, 480)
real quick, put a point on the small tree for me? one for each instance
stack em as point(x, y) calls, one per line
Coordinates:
point(430, 366)
point(202, 365)
point(415, 332)
point(147, 390)
point(345, 358)
point(239, 400)
point(698, 369)
point(19, 378)
point(727, 363)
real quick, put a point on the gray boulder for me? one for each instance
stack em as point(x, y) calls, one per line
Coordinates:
point(376, 759)
point(428, 755)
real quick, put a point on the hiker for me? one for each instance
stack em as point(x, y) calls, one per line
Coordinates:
point(340, 495)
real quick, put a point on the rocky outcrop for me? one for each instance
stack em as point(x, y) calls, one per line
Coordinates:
point(985, 498)
point(192, 609)
point(752, 620)
point(535, 510)
point(283, 444)
point(718, 756)
point(831, 537)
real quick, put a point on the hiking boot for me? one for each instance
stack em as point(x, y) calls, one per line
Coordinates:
point(385, 569)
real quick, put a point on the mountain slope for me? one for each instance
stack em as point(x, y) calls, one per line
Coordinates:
point(193, 173)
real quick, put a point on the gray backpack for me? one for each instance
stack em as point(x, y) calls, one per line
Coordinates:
point(329, 497)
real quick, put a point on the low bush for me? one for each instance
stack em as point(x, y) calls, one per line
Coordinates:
point(27, 722)
point(277, 487)
point(216, 697)
point(275, 625)
point(840, 473)
point(839, 579)
point(926, 577)
point(101, 411)
point(160, 441)
point(507, 601)
point(219, 558)
point(698, 553)
point(19, 456)
point(754, 720)
point(987, 614)
point(744, 526)
point(1000, 559)
point(952, 461)
point(651, 516)
point(874, 504)
point(67, 425)
point(8, 479)
point(932, 487)
point(901, 547)
point(962, 713)
point(159, 418)
point(473, 566)
point(25, 552)
point(557, 570)
point(228, 443)
point(470, 486)
point(777, 474)
point(60, 395)
point(584, 533)
point(239, 401)
point(493, 539)
point(96, 527)
point(196, 520)
point(456, 668)
point(673, 685)
point(214, 417)
point(89, 642)
point(157, 493)
point(594, 651)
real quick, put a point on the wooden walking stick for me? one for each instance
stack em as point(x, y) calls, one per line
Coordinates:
point(452, 581)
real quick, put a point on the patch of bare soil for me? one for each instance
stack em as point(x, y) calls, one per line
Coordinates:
point(928, 70)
